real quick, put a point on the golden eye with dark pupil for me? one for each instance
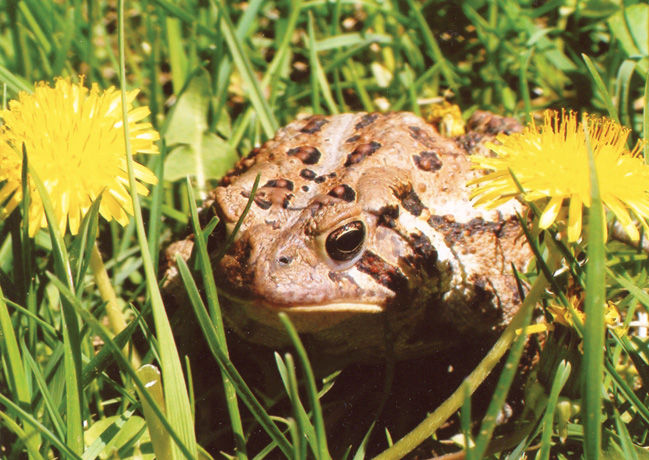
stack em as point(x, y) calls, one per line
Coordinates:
point(346, 241)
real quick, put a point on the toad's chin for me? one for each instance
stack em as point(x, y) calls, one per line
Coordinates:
point(331, 328)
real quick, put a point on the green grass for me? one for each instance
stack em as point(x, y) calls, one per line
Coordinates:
point(220, 77)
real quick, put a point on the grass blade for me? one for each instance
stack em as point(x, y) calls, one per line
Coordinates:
point(594, 324)
point(84, 242)
point(601, 87)
point(14, 82)
point(322, 451)
point(623, 85)
point(16, 380)
point(48, 401)
point(13, 361)
point(160, 439)
point(304, 430)
point(175, 391)
point(560, 379)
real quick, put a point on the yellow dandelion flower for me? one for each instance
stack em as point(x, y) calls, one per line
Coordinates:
point(551, 164)
point(74, 141)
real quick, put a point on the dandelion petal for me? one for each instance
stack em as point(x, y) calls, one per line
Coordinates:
point(550, 212)
point(575, 211)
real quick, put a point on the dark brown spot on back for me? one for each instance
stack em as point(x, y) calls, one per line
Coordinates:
point(307, 154)
point(320, 179)
point(344, 192)
point(308, 174)
point(410, 201)
point(366, 120)
point(385, 274)
point(388, 215)
point(280, 183)
point(259, 201)
point(314, 124)
point(263, 204)
point(354, 138)
point(428, 161)
point(418, 134)
point(361, 152)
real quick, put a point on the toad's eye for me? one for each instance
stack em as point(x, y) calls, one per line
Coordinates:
point(346, 241)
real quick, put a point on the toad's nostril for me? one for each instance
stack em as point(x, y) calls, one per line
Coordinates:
point(283, 260)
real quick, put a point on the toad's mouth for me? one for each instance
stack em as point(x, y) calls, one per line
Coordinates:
point(305, 317)
point(332, 306)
